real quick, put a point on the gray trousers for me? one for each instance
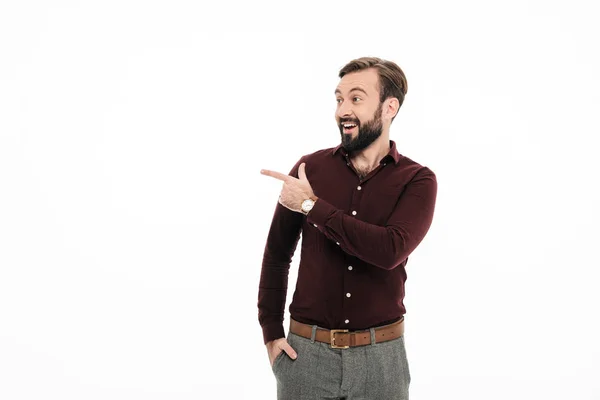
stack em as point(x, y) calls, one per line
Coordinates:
point(378, 371)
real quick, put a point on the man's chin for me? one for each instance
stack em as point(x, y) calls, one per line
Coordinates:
point(347, 140)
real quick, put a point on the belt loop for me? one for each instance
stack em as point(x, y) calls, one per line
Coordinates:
point(372, 330)
point(313, 334)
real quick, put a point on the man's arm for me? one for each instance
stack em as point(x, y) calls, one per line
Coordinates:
point(383, 246)
point(280, 247)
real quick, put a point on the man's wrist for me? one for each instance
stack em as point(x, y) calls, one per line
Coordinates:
point(312, 198)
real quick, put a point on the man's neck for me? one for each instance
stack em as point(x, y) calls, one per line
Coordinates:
point(369, 158)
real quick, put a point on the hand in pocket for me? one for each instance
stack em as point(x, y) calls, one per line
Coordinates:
point(275, 347)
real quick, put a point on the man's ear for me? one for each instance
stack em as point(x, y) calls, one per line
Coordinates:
point(391, 108)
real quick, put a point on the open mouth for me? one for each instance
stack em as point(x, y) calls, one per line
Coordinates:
point(349, 127)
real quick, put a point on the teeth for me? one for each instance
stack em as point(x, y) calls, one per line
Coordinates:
point(349, 125)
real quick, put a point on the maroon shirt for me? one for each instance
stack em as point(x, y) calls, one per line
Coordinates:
point(355, 243)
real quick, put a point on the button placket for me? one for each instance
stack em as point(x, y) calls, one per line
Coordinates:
point(356, 197)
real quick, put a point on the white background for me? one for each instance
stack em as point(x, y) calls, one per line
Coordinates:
point(133, 215)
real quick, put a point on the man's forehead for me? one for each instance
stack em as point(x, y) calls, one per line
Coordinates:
point(366, 80)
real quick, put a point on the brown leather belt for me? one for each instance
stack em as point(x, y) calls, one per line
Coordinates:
point(343, 338)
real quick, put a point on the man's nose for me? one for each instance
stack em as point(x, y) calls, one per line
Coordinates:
point(344, 110)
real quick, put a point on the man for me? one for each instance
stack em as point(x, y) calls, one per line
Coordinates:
point(362, 209)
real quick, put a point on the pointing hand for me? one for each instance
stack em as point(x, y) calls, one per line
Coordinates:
point(295, 190)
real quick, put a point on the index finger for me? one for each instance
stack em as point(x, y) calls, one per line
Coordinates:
point(275, 174)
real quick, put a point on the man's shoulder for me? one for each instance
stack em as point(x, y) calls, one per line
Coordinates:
point(320, 154)
point(414, 168)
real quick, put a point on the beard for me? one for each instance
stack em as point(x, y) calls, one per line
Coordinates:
point(367, 133)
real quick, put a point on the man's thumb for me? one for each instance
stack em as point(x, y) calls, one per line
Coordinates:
point(302, 172)
point(288, 349)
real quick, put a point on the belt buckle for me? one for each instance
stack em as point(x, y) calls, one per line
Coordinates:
point(332, 333)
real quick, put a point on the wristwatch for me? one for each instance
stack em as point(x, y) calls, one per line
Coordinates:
point(307, 205)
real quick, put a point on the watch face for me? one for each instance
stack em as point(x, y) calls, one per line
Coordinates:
point(307, 205)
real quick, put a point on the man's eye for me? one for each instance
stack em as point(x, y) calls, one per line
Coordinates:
point(355, 98)
point(337, 100)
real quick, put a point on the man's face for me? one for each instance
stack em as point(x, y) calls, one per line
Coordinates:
point(357, 97)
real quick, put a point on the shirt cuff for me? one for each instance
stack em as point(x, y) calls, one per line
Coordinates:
point(272, 331)
point(320, 212)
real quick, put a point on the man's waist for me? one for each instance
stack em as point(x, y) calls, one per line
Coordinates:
point(351, 326)
point(346, 338)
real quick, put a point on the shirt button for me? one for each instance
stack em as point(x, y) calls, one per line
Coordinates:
point(353, 212)
point(349, 267)
point(348, 295)
point(347, 321)
point(315, 225)
point(338, 243)
point(359, 188)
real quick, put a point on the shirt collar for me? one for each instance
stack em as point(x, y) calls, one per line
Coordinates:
point(393, 153)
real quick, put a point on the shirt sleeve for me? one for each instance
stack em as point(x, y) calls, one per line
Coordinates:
point(281, 244)
point(383, 246)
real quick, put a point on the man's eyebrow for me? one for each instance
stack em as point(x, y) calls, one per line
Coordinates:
point(353, 89)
